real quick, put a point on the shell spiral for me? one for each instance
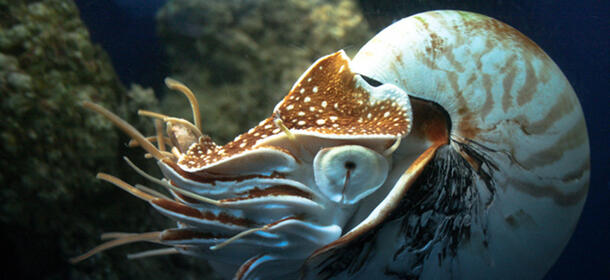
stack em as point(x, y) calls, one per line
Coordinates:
point(509, 186)
point(450, 147)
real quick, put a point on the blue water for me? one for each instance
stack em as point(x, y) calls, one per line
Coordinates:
point(126, 30)
point(574, 33)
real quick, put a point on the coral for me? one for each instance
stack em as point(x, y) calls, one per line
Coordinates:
point(242, 57)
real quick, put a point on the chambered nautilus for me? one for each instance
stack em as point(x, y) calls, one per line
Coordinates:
point(450, 147)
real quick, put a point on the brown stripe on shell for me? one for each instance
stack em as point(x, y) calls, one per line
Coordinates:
point(489, 46)
point(399, 58)
point(468, 125)
point(578, 173)
point(564, 105)
point(489, 101)
point(559, 197)
point(526, 92)
point(437, 45)
point(574, 137)
point(508, 81)
point(423, 58)
point(423, 22)
point(451, 57)
point(501, 32)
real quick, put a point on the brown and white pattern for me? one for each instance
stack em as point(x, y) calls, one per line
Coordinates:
point(450, 147)
point(502, 199)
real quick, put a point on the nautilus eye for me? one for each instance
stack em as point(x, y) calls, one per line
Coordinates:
point(347, 174)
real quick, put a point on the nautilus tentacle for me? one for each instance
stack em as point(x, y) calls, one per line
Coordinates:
point(450, 147)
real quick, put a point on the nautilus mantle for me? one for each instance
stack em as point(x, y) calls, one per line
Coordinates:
point(450, 147)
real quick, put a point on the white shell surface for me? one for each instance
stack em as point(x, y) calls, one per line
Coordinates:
point(508, 101)
point(498, 86)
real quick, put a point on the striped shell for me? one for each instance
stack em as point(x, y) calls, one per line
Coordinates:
point(506, 193)
point(451, 146)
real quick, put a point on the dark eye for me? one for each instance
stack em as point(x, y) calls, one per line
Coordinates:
point(350, 165)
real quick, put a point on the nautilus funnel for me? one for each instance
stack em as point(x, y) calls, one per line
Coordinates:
point(450, 147)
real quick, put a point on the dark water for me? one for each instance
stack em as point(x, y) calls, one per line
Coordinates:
point(574, 33)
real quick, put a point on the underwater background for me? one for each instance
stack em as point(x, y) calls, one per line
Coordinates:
point(56, 53)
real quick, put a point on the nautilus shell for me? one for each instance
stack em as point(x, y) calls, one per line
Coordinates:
point(450, 147)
